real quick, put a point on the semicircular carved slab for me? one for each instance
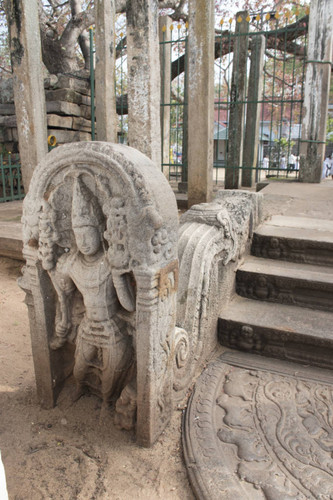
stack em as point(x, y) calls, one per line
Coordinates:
point(259, 433)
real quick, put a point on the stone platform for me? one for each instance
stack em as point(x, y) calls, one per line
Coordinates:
point(259, 428)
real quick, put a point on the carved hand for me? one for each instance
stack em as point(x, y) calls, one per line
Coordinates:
point(62, 328)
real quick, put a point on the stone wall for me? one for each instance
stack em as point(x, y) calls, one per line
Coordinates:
point(68, 111)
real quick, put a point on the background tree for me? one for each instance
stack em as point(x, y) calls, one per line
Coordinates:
point(63, 25)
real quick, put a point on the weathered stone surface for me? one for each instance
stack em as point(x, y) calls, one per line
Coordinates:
point(81, 85)
point(260, 429)
point(81, 124)
point(6, 91)
point(304, 285)
point(144, 127)
point(66, 108)
point(101, 280)
point(287, 312)
point(200, 101)
point(212, 238)
point(253, 110)
point(8, 121)
point(28, 84)
point(64, 136)
point(285, 332)
point(317, 90)
point(237, 104)
point(59, 121)
point(295, 239)
point(68, 95)
point(7, 109)
point(69, 122)
point(105, 70)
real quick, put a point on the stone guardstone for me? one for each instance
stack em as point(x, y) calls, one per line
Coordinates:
point(259, 428)
point(100, 243)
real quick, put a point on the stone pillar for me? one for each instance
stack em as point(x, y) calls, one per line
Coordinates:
point(183, 185)
point(165, 61)
point(237, 97)
point(144, 128)
point(106, 115)
point(317, 87)
point(28, 83)
point(256, 80)
point(201, 37)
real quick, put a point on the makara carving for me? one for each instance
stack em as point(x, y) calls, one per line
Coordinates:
point(100, 240)
point(212, 239)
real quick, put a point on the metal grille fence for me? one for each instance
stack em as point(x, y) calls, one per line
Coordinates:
point(279, 103)
point(279, 97)
point(173, 59)
point(11, 187)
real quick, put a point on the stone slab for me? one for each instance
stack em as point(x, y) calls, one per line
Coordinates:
point(68, 95)
point(257, 428)
point(67, 108)
point(284, 282)
point(295, 239)
point(11, 240)
point(286, 331)
point(290, 270)
point(312, 234)
point(318, 225)
point(66, 136)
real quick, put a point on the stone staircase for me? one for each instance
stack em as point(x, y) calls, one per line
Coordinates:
point(284, 302)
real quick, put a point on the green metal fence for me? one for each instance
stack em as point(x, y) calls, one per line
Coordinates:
point(11, 187)
point(173, 60)
point(281, 100)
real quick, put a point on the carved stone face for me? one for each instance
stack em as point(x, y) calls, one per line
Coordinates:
point(87, 239)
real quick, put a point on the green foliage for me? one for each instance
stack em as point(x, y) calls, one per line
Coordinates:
point(282, 147)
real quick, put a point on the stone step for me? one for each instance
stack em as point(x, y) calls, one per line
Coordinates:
point(295, 239)
point(285, 282)
point(280, 331)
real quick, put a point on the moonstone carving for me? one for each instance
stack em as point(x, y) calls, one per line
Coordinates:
point(261, 429)
point(100, 241)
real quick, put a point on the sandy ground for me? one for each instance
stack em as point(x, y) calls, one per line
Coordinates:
point(67, 453)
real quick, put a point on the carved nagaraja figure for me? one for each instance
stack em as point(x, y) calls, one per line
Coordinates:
point(100, 241)
point(103, 353)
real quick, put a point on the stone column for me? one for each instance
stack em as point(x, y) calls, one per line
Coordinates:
point(237, 97)
point(165, 61)
point(256, 81)
point(144, 128)
point(201, 37)
point(28, 83)
point(106, 115)
point(317, 87)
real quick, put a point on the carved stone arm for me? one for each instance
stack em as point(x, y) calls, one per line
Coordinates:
point(64, 287)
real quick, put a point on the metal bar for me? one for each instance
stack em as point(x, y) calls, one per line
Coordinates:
point(92, 83)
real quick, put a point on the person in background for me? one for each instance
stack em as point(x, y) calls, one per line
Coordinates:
point(283, 163)
point(291, 162)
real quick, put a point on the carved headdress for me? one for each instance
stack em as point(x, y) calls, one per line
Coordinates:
point(86, 210)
